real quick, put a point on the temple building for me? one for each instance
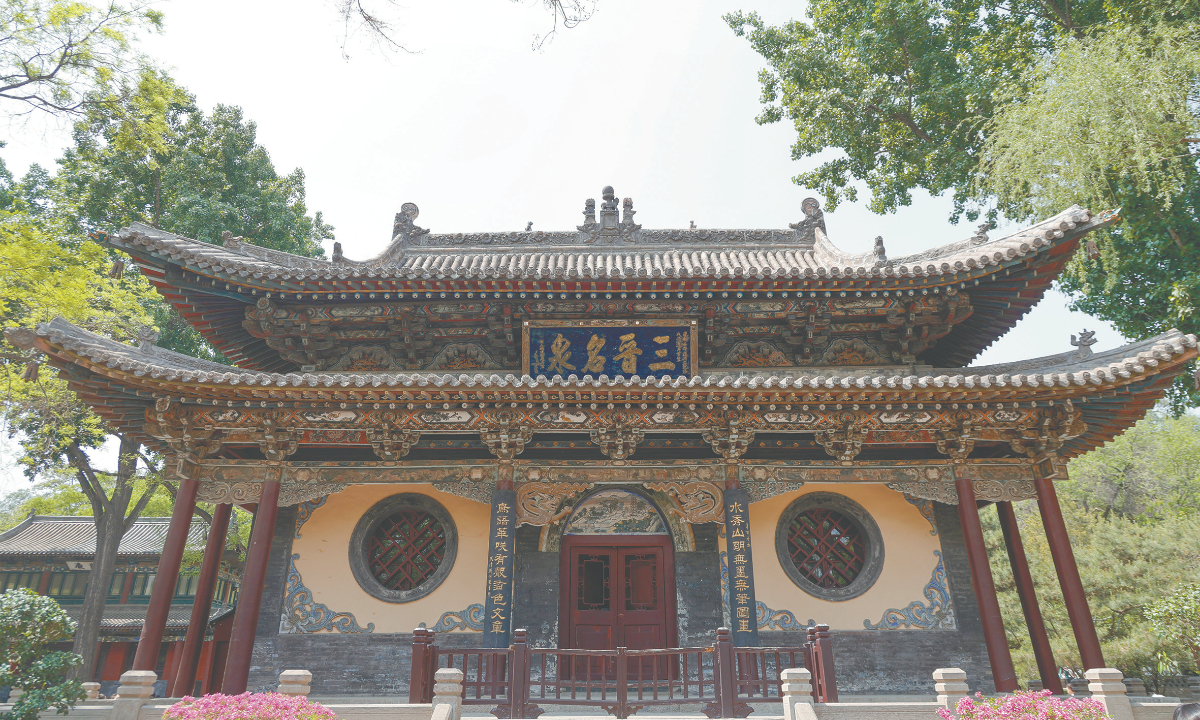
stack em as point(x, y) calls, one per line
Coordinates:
point(618, 437)
point(53, 555)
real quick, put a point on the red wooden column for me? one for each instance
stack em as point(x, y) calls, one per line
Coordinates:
point(1042, 652)
point(168, 573)
point(254, 578)
point(1003, 674)
point(185, 678)
point(1068, 574)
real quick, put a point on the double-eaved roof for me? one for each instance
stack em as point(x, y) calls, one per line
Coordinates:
point(612, 261)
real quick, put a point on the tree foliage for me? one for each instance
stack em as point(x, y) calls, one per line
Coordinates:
point(1016, 108)
point(1131, 513)
point(30, 625)
point(1177, 616)
point(60, 56)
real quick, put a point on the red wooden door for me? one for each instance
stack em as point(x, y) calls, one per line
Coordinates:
point(617, 592)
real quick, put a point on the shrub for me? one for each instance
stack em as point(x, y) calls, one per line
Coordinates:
point(248, 706)
point(29, 625)
point(1025, 706)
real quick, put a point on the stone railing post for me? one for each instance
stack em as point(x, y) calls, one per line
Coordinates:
point(295, 682)
point(1194, 686)
point(1036, 685)
point(136, 689)
point(14, 695)
point(1135, 687)
point(951, 686)
point(448, 690)
point(797, 694)
point(1106, 687)
point(92, 689)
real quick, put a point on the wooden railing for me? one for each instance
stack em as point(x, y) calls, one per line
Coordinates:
point(722, 679)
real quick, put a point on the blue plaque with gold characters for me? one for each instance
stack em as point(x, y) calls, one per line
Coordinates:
point(646, 348)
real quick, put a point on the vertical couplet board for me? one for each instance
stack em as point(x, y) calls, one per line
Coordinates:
point(497, 609)
point(646, 348)
point(743, 607)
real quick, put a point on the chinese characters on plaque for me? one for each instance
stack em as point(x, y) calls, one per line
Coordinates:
point(743, 608)
point(646, 348)
point(497, 608)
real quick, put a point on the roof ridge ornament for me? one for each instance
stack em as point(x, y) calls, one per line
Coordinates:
point(814, 217)
point(147, 337)
point(1083, 345)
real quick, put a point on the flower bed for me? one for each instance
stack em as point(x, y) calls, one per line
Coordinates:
point(1027, 705)
point(248, 706)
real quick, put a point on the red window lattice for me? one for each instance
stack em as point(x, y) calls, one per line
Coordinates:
point(827, 549)
point(406, 549)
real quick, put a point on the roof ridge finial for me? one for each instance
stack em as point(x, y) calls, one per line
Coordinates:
point(806, 229)
point(147, 336)
point(1083, 345)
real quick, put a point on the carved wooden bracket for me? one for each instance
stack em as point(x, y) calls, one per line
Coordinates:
point(731, 441)
point(618, 443)
point(503, 439)
point(180, 432)
point(958, 444)
point(391, 443)
point(277, 444)
point(1049, 434)
point(843, 443)
point(695, 502)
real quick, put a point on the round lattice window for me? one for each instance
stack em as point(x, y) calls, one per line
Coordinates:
point(406, 549)
point(403, 548)
point(829, 546)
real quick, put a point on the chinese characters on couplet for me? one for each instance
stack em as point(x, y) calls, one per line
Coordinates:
point(498, 604)
point(745, 617)
point(659, 350)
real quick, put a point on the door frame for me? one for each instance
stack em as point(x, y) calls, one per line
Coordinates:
point(671, 631)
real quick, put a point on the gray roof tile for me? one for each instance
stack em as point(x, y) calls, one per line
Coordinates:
point(68, 535)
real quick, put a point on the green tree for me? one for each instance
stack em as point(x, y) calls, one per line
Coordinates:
point(1177, 616)
point(1020, 108)
point(60, 56)
point(1149, 473)
point(30, 625)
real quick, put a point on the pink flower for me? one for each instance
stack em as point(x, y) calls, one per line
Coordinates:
point(248, 706)
point(1026, 705)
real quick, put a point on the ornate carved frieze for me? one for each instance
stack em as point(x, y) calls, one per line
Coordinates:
point(241, 493)
point(470, 484)
point(618, 443)
point(503, 437)
point(540, 503)
point(945, 492)
point(696, 502)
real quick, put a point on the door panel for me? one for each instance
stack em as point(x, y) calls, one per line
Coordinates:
point(617, 597)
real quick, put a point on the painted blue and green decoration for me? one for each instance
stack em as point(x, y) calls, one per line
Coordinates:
point(646, 348)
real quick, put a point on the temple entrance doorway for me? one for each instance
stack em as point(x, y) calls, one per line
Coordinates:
point(617, 576)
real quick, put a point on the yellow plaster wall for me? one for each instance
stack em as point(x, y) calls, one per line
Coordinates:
point(908, 560)
point(324, 549)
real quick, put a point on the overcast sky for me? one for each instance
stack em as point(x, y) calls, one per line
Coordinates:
point(656, 98)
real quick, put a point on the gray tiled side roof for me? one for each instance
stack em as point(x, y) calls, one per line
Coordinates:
point(132, 616)
point(644, 253)
point(76, 536)
point(1077, 368)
